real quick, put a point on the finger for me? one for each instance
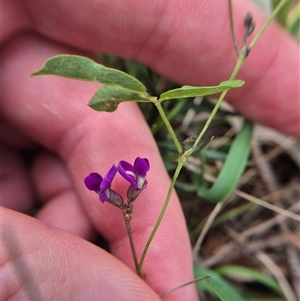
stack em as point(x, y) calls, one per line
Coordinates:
point(13, 138)
point(187, 42)
point(53, 112)
point(16, 187)
point(43, 263)
point(62, 207)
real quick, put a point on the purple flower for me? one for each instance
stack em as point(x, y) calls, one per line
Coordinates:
point(101, 185)
point(135, 174)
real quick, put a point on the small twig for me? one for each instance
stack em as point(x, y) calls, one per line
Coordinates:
point(270, 181)
point(183, 285)
point(263, 168)
point(282, 147)
point(223, 252)
point(236, 49)
point(290, 250)
point(267, 205)
point(264, 226)
point(185, 142)
point(272, 242)
point(277, 273)
point(206, 227)
point(269, 264)
point(228, 249)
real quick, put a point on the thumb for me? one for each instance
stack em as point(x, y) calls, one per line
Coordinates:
point(42, 263)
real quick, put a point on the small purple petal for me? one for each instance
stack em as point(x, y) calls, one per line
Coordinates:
point(125, 166)
point(93, 182)
point(126, 171)
point(135, 175)
point(141, 166)
point(107, 180)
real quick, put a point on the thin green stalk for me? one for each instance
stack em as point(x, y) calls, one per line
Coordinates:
point(237, 67)
point(170, 116)
point(208, 122)
point(168, 125)
point(164, 208)
point(184, 284)
point(241, 59)
point(182, 159)
point(266, 24)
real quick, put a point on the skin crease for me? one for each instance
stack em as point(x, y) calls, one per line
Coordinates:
point(172, 37)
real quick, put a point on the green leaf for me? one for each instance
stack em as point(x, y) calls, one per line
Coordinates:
point(294, 21)
point(108, 97)
point(189, 91)
point(233, 168)
point(185, 186)
point(217, 285)
point(83, 68)
point(238, 272)
point(281, 17)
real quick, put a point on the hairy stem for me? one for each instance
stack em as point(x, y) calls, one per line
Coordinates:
point(128, 227)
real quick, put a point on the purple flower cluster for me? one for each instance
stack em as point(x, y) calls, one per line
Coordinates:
point(135, 174)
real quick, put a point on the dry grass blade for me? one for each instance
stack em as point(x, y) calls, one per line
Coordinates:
point(264, 204)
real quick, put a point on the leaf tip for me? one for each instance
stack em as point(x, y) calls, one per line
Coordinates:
point(35, 73)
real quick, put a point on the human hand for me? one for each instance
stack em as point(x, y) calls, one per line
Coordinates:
point(43, 263)
point(174, 39)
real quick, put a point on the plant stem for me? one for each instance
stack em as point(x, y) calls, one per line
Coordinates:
point(168, 125)
point(240, 61)
point(186, 154)
point(170, 116)
point(232, 29)
point(266, 24)
point(184, 284)
point(128, 227)
point(237, 67)
point(176, 174)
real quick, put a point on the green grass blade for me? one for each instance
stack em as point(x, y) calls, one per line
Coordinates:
point(216, 285)
point(281, 17)
point(233, 168)
point(294, 21)
point(249, 275)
